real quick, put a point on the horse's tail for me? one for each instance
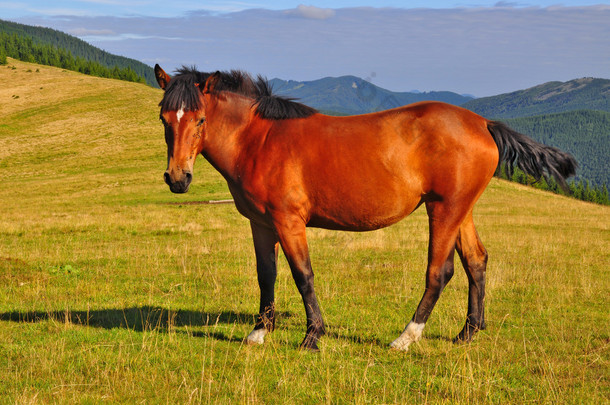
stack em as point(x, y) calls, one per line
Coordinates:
point(535, 159)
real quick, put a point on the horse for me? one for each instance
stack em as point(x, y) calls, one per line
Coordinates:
point(289, 167)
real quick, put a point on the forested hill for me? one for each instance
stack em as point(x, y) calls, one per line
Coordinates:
point(586, 134)
point(552, 97)
point(78, 48)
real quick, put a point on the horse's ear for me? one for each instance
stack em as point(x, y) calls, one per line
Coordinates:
point(162, 77)
point(211, 83)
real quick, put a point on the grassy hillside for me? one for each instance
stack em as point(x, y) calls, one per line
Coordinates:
point(553, 97)
point(110, 295)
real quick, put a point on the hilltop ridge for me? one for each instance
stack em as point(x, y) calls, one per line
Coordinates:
point(586, 93)
point(351, 95)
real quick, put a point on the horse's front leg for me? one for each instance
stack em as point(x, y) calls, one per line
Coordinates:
point(293, 239)
point(266, 249)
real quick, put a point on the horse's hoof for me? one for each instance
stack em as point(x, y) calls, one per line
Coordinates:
point(465, 337)
point(313, 348)
point(256, 337)
point(399, 347)
point(310, 344)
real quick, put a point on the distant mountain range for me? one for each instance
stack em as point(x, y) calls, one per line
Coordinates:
point(553, 97)
point(348, 95)
point(573, 115)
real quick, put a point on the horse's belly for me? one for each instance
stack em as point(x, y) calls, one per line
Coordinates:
point(363, 215)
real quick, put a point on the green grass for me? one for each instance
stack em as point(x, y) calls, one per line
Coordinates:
point(110, 295)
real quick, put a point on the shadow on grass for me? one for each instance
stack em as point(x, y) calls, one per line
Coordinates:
point(140, 319)
point(150, 318)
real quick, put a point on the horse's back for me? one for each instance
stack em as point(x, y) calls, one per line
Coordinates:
point(369, 171)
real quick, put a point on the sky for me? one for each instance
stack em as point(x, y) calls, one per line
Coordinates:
point(473, 47)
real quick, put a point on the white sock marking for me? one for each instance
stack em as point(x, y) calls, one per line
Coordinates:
point(257, 336)
point(411, 334)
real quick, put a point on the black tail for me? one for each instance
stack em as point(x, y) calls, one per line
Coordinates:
point(533, 158)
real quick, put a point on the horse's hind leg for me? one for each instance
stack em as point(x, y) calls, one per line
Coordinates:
point(474, 259)
point(444, 222)
point(266, 248)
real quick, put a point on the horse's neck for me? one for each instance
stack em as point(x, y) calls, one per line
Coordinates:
point(228, 134)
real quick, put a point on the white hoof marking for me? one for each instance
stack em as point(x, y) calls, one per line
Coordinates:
point(257, 337)
point(411, 334)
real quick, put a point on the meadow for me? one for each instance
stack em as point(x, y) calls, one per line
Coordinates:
point(113, 290)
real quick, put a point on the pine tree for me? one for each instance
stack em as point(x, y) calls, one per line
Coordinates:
point(588, 194)
point(603, 195)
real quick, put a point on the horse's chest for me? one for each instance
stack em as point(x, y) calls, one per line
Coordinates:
point(245, 206)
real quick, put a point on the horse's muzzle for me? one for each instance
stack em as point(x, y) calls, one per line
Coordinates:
point(181, 185)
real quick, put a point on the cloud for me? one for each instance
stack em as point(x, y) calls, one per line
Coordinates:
point(312, 12)
point(482, 51)
point(506, 4)
point(83, 32)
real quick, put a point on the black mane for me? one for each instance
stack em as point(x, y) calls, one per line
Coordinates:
point(275, 107)
point(181, 93)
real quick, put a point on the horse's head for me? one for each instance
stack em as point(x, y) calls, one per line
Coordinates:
point(183, 115)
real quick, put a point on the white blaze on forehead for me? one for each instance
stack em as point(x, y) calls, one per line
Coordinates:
point(180, 113)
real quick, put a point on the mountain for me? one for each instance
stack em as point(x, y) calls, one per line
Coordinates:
point(78, 48)
point(552, 97)
point(348, 95)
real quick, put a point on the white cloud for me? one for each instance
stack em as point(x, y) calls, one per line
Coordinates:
point(312, 12)
point(81, 32)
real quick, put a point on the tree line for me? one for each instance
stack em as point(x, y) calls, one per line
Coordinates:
point(78, 48)
point(25, 49)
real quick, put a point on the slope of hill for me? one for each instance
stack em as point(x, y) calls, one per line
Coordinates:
point(78, 48)
point(552, 97)
point(351, 95)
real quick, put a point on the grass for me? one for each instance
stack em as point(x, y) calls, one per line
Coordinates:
point(110, 295)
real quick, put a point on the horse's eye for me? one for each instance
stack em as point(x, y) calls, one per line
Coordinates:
point(200, 122)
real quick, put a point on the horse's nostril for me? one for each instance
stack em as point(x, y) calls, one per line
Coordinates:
point(189, 177)
point(167, 178)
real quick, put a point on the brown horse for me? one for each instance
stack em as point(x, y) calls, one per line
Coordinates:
point(289, 167)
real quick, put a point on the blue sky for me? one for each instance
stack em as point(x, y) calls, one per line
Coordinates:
point(163, 8)
point(471, 46)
